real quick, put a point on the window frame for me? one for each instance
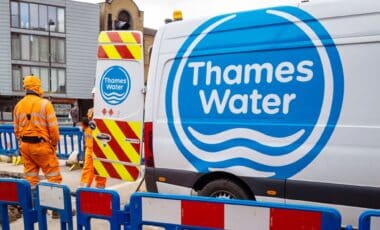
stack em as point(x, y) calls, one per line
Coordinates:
point(57, 70)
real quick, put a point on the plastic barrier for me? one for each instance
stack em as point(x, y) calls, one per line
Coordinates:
point(54, 197)
point(17, 192)
point(71, 139)
point(178, 212)
point(99, 204)
point(369, 220)
point(8, 141)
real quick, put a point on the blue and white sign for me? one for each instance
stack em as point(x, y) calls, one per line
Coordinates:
point(268, 100)
point(115, 85)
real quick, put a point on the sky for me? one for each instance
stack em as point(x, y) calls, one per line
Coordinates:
point(155, 11)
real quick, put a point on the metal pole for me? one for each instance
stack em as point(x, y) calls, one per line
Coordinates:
point(49, 58)
point(50, 23)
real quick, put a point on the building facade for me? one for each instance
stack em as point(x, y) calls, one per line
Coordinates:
point(53, 39)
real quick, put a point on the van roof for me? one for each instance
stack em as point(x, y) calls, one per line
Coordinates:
point(321, 9)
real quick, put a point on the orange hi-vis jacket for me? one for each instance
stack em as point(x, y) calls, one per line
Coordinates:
point(35, 116)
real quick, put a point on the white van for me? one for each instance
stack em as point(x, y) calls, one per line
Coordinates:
point(278, 104)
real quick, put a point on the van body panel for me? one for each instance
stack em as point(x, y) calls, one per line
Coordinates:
point(119, 105)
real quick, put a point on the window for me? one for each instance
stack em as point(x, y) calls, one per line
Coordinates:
point(123, 21)
point(61, 80)
point(34, 16)
point(35, 71)
point(16, 78)
point(56, 84)
point(35, 50)
point(24, 13)
point(44, 49)
point(52, 16)
point(16, 43)
point(44, 76)
point(25, 47)
point(54, 80)
point(43, 17)
point(25, 70)
point(32, 51)
point(15, 22)
point(61, 20)
point(60, 51)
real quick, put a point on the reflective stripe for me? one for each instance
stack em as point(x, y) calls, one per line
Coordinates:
point(20, 115)
point(31, 174)
point(43, 107)
point(52, 124)
point(39, 115)
point(50, 116)
point(52, 174)
point(37, 123)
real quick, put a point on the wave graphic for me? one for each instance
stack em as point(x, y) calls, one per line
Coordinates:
point(114, 94)
point(246, 134)
point(114, 98)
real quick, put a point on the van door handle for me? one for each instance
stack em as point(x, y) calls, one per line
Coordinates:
point(104, 138)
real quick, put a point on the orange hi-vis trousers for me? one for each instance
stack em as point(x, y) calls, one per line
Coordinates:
point(88, 172)
point(38, 156)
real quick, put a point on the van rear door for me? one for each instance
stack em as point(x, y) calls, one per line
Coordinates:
point(118, 105)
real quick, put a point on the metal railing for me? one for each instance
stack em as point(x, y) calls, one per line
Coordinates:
point(71, 140)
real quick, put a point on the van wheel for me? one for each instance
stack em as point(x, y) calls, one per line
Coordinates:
point(223, 188)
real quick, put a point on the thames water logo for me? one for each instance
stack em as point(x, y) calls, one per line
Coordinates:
point(265, 101)
point(115, 85)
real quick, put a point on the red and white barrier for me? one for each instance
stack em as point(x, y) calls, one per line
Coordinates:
point(227, 214)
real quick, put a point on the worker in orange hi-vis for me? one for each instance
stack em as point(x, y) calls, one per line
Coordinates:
point(88, 171)
point(37, 131)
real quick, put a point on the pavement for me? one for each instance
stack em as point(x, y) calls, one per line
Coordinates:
point(71, 179)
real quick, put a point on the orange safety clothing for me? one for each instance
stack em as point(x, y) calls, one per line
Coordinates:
point(33, 83)
point(90, 114)
point(40, 155)
point(34, 118)
point(88, 171)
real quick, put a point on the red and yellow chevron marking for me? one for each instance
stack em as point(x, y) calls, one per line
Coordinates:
point(111, 155)
point(127, 37)
point(118, 45)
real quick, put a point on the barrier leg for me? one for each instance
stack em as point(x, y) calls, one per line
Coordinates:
point(84, 224)
point(4, 216)
point(42, 222)
point(29, 219)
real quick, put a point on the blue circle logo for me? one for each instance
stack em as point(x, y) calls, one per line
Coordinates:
point(265, 97)
point(115, 85)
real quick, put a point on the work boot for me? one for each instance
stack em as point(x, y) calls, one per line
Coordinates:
point(14, 212)
point(54, 214)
